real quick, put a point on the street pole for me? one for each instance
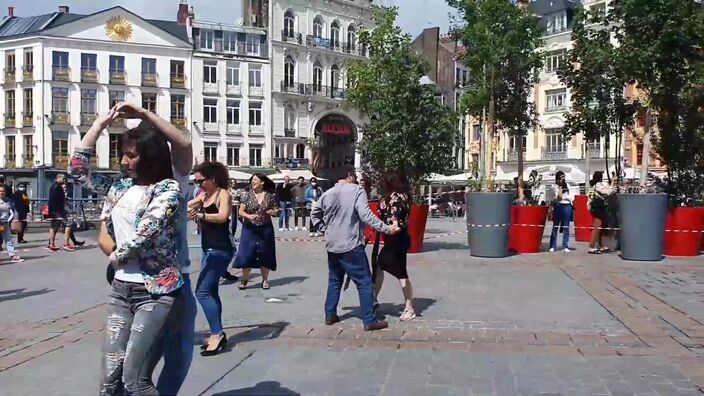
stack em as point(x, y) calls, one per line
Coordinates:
point(646, 149)
point(482, 147)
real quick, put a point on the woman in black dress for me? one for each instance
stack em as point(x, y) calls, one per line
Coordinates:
point(257, 245)
point(395, 209)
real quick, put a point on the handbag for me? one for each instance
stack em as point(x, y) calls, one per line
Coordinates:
point(16, 226)
point(45, 211)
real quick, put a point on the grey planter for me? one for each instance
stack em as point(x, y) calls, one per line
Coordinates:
point(488, 223)
point(642, 226)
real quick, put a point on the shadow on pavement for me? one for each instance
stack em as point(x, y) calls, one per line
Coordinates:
point(286, 280)
point(18, 294)
point(420, 304)
point(439, 245)
point(264, 331)
point(268, 388)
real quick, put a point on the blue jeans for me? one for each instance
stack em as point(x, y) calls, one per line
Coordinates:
point(7, 236)
point(213, 265)
point(285, 206)
point(177, 345)
point(561, 217)
point(356, 265)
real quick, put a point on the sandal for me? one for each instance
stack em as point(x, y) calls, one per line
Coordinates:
point(265, 285)
point(407, 315)
point(594, 251)
point(607, 250)
point(243, 284)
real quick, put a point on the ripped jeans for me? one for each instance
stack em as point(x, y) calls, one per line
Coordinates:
point(136, 322)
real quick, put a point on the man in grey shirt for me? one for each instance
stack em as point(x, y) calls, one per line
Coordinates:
point(341, 214)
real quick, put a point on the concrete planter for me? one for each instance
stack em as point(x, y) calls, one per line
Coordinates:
point(488, 223)
point(642, 226)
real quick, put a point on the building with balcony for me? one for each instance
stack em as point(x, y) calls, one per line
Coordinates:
point(311, 44)
point(62, 70)
point(232, 95)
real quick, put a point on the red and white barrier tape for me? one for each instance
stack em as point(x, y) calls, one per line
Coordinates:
point(573, 227)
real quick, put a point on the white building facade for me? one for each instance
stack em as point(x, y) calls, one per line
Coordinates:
point(62, 70)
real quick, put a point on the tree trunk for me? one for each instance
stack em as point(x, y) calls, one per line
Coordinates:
point(488, 139)
point(519, 148)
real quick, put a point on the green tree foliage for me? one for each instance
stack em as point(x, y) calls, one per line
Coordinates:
point(409, 131)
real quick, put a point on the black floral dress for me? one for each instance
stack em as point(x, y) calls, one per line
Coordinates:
point(393, 256)
point(257, 242)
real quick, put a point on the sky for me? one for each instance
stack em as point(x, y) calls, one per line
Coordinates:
point(414, 15)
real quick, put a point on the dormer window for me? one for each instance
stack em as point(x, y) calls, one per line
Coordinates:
point(557, 22)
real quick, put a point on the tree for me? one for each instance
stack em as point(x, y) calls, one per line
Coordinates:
point(408, 130)
point(593, 73)
point(661, 49)
point(503, 42)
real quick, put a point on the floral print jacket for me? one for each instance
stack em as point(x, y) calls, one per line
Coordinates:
point(395, 207)
point(154, 242)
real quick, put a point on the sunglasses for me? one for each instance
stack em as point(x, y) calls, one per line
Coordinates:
point(199, 182)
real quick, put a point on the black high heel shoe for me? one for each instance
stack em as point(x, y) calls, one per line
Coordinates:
point(221, 347)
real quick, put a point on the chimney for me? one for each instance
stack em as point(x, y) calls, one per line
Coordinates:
point(182, 15)
point(10, 11)
point(63, 9)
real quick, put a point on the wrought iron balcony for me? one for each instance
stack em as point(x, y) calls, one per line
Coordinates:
point(289, 133)
point(291, 37)
point(178, 122)
point(313, 90)
point(10, 120)
point(27, 119)
point(335, 45)
point(61, 73)
point(87, 119)
point(114, 163)
point(178, 80)
point(594, 149)
point(9, 74)
point(292, 163)
point(10, 161)
point(89, 75)
point(60, 161)
point(554, 153)
point(28, 72)
point(61, 117)
point(118, 123)
point(512, 155)
point(149, 79)
point(27, 161)
point(117, 77)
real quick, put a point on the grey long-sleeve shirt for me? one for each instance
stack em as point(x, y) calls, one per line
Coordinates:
point(341, 214)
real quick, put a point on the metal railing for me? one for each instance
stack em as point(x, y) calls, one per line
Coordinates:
point(81, 210)
point(10, 120)
point(27, 119)
point(149, 79)
point(117, 77)
point(512, 155)
point(594, 149)
point(291, 163)
point(87, 119)
point(9, 74)
point(289, 132)
point(335, 45)
point(178, 80)
point(61, 73)
point(554, 153)
point(89, 75)
point(291, 37)
point(28, 72)
point(313, 90)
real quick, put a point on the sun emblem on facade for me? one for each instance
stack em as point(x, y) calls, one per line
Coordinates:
point(118, 29)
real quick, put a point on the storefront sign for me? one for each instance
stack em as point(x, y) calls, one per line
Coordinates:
point(336, 129)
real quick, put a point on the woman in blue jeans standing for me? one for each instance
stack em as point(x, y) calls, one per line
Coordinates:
point(212, 209)
point(562, 213)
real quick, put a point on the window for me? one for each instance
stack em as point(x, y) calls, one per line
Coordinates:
point(255, 113)
point(300, 151)
point(233, 155)
point(10, 102)
point(351, 38)
point(317, 77)
point(28, 100)
point(318, 26)
point(60, 144)
point(229, 42)
point(639, 154)
point(148, 66)
point(334, 76)
point(476, 132)
point(206, 39)
point(210, 111)
point(210, 73)
point(335, 34)
point(117, 63)
point(557, 22)
point(10, 147)
point(233, 112)
point(28, 60)
point(178, 107)
point(289, 20)
point(289, 119)
point(598, 10)
point(465, 77)
point(255, 156)
point(554, 140)
point(59, 59)
point(210, 152)
point(177, 69)
point(88, 101)
point(512, 143)
point(255, 76)
point(556, 100)
point(116, 97)
point(149, 101)
point(89, 62)
point(28, 148)
point(233, 74)
point(114, 147)
point(553, 61)
point(289, 72)
point(59, 100)
point(253, 44)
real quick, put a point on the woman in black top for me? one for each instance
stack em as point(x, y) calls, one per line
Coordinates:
point(212, 209)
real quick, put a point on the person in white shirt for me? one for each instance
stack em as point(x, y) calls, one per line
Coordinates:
point(562, 212)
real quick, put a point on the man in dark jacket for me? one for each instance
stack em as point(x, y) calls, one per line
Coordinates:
point(21, 200)
point(284, 195)
point(58, 214)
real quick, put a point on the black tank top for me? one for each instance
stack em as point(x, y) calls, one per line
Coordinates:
point(215, 235)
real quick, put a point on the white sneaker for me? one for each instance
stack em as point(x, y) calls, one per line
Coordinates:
point(319, 234)
point(296, 228)
point(304, 228)
point(289, 229)
point(311, 234)
point(567, 250)
point(551, 250)
point(281, 229)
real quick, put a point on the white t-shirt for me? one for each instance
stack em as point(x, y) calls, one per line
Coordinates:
point(124, 223)
point(566, 196)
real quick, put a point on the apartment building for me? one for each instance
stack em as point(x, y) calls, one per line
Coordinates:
point(60, 70)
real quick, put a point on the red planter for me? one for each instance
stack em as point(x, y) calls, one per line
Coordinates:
point(583, 220)
point(527, 227)
point(678, 243)
point(374, 206)
point(416, 223)
point(701, 213)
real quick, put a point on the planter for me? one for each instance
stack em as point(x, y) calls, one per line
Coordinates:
point(642, 226)
point(374, 206)
point(488, 223)
point(701, 213)
point(583, 220)
point(416, 226)
point(683, 235)
point(527, 228)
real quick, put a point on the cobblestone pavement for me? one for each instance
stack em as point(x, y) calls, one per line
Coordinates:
point(542, 324)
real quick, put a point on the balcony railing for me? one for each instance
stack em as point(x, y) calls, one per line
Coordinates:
point(254, 90)
point(114, 163)
point(512, 155)
point(10, 120)
point(210, 87)
point(337, 46)
point(28, 72)
point(9, 74)
point(594, 149)
point(27, 119)
point(233, 89)
point(118, 123)
point(554, 153)
point(61, 117)
point(313, 90)
point(60, 161)
point(178, 122)
point(117, 77)
point(289, 133)
point(9, 161)
point(291, 37)
point(87, 119)
point(61, 73)
point(178, 80)
point(292, 163)
point(27, 161)
point(149, 79)
point(89, 75)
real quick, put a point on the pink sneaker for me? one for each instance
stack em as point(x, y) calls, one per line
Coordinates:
point(69, 247)
point(16, 259)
